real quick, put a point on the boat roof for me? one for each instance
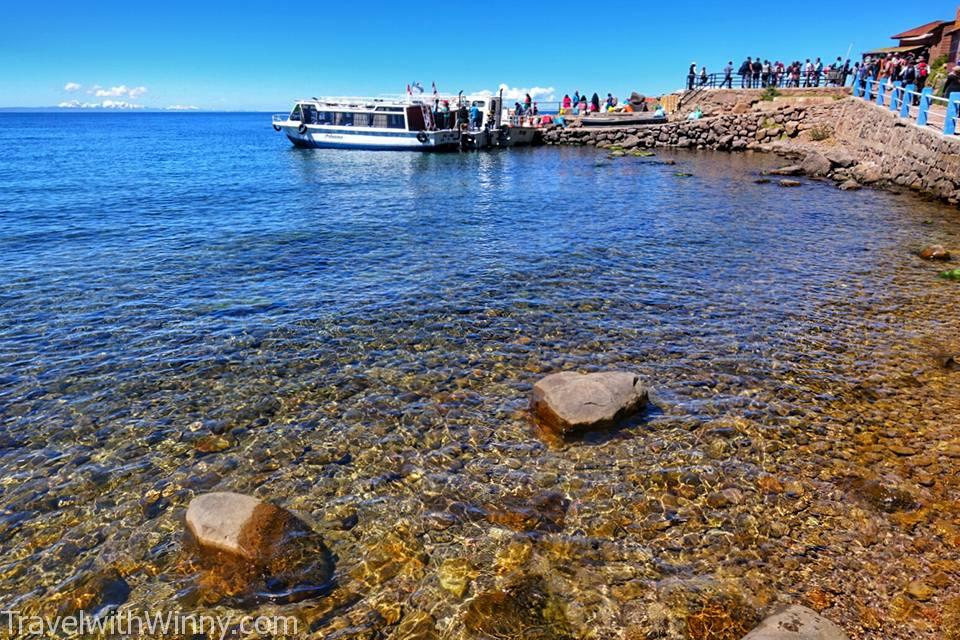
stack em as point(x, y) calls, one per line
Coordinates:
point(366, 102)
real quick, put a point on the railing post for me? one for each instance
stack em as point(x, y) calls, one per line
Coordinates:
point(953, 112)
point(881, 92)
point(895, 96)
point(907, 100)
point(924, 110)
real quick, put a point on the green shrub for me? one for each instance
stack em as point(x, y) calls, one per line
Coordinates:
point(820, 132)
point(769, 94)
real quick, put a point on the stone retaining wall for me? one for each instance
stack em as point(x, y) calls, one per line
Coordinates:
point(874, 146)
point(730, 132)
point(720, 101)
point(900, 152)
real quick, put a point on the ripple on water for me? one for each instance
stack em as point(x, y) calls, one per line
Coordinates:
point(355, 336)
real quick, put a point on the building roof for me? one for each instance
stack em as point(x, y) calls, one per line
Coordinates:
point(921, 31)
point(889, 50)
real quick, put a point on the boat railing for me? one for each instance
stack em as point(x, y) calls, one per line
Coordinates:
point(281, 117)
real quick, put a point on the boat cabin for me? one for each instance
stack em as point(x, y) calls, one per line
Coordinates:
point(412, 117)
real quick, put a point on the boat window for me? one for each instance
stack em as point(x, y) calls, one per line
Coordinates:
point(324, 117)
point(343, 119)
point(295, 114)
point(309, 113)
point(388, 121)
point(361, 119)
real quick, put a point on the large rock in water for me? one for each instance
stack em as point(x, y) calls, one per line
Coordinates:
point(796, 623)
point(235, 523)
point(816, 164)
point(250, 551)
point(572, 401)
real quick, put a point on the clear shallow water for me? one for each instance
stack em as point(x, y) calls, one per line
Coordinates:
point(362, 329)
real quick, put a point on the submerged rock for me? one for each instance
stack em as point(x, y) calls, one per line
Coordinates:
point(545, 512)
point(524, 610)
point(883, 498)
point(796, 623)
point(250, 551)
point(935, 252)
point(850, 185)
point(98, 594)
point(572, 401)
point(791, 170)
point(790, 183)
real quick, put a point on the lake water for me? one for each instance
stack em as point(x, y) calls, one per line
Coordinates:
point(187, 304)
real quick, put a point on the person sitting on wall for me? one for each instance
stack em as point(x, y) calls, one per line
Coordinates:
point(696, 114)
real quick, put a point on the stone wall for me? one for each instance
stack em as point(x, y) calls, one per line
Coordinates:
point(729, 132)
point(900, 152)
point(864, 143)
point(720, 101)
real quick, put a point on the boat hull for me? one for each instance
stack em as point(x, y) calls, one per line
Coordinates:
point(319, 137)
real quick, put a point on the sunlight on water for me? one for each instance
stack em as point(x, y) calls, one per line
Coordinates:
point(188, 304)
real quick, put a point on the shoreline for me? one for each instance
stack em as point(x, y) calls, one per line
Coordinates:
point(844, 139)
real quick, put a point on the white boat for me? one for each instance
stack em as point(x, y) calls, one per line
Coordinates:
point(365, 123)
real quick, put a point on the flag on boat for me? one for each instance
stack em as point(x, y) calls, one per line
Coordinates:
point(418, 87)
point(435, 92)
point(409, 92)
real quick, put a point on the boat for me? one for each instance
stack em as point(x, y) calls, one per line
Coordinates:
point(402, 123)
point(365, 123)
point(622, 120)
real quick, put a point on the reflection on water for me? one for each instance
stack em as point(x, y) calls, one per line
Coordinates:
point(354, 336)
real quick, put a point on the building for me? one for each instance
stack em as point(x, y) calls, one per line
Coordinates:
point(934, 39)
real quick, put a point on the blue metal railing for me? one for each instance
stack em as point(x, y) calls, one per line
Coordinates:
point(907, 103)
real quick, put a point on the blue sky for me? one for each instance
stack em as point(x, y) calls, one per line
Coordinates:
point(258, 55)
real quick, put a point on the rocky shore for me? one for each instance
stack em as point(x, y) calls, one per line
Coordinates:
point(847, 140)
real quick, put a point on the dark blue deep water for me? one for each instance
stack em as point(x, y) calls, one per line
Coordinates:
point(189, 303)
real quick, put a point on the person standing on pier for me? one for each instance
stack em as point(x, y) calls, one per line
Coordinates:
point(757, 72)
point(952, 85)
point(923, 72)
point(566, 105)
point(703, 76)
point(746, 74)
point(691, 76)
point(728, 76)
point(476, 117)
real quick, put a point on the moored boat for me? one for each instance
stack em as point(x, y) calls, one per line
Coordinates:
point(365, 123)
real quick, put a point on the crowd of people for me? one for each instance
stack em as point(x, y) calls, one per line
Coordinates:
point(907, 69)
point(755, 73)
point(581, 106)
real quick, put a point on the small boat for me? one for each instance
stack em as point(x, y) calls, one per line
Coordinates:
point(365, 123)
point(622, 119)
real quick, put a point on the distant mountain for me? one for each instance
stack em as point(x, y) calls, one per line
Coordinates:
point(103, 110)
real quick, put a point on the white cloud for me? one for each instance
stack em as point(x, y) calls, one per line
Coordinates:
point(71, 87)
point(120, 91)
point(182, 107)
point(119, 104)
point(106, 104)
point(517, 94)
